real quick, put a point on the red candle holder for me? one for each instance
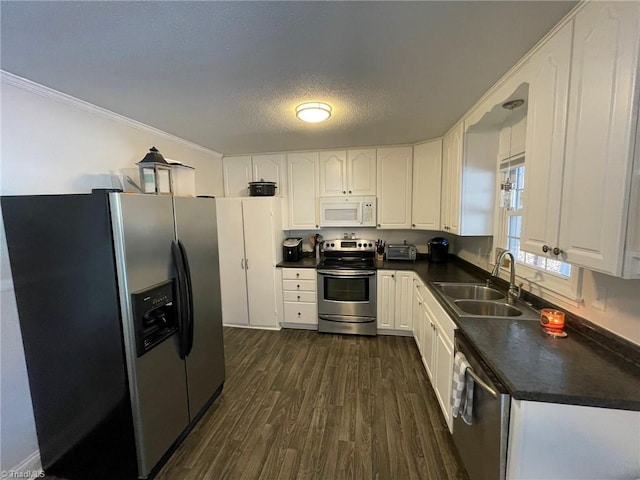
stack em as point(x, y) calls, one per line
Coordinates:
point(552, 322)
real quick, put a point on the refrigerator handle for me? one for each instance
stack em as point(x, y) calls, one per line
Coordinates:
point(181, 299)
point(189, 295)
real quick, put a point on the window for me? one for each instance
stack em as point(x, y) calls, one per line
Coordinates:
point(553, 276)
point(514, 227)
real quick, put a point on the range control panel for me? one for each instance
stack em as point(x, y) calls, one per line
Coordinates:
point(349, 245)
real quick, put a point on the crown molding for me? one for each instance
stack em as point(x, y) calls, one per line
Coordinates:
point(51, 94)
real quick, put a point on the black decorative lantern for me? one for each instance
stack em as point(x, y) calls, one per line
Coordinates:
point(155, 173)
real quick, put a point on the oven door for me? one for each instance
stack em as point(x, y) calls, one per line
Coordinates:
point(347, 293)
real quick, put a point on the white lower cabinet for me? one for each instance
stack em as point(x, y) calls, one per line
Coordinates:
point(299, 296)
point(435, 332)
point(395, 300)
point(250, 235)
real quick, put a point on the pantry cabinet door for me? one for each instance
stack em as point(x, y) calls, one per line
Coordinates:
point(404, 301)
point(233, 282)
point(603, 111)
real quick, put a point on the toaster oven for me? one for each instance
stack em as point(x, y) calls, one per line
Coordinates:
point(401, 252)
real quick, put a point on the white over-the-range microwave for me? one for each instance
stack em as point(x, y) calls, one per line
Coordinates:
point(349, 211)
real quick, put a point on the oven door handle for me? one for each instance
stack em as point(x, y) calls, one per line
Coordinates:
point(481, 383)
point(346, 273)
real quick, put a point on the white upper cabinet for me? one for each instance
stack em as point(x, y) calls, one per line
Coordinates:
point(303, 190)
point(351, 172)
point(361, 171)
point(394, 187)
point(451, 168)
point(271, 168)
point(236, 175)
point(333, 173)
point(582, 206)
point(546, 115)
point(427, 166)
point(238, 171)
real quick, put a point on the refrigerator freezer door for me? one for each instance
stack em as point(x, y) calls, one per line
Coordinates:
point(63, 272)
point(143, 229)
point(196, 228)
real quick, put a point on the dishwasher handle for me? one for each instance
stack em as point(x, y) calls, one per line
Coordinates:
point(481, 383)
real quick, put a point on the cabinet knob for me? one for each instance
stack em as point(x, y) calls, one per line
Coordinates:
point(413, 224)
point(299, 314)
point(378, 224)
point(316, 226)
point(344, 192)
point(393, 276)
point(298, 297)
point(545, 248)
point(298, 286)
point(297, 275)
point(557, 251)
point(349, 191)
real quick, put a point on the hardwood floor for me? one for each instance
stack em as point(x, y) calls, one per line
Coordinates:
point(302, 405)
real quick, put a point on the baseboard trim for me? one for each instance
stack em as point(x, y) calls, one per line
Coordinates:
point(30, 465)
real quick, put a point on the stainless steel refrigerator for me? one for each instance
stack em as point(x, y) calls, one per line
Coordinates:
point(119, 305)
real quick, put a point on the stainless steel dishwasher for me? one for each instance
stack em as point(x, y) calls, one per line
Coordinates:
point(483, 444)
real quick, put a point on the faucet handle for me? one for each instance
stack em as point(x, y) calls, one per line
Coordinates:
point(487, 282)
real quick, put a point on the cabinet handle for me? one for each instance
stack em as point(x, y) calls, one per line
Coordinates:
point(557, 251)
point(242, 263)
point(246, 263)
point(545, 248)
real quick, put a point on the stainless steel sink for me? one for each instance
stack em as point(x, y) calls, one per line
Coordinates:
point(470, 291)
point(476, 300)
point(488, 309)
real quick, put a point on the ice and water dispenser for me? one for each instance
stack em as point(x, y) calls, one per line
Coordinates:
point(155, 316)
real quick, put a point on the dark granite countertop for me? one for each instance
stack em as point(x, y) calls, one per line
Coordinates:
point(580, 369)
point(305, 262)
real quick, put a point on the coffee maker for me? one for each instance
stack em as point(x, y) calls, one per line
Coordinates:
point(292, 249)
point(438, 249)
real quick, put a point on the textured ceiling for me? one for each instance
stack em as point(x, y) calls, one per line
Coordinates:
point(228, 75)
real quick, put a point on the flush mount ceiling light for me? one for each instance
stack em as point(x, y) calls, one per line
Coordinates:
point(313, 112)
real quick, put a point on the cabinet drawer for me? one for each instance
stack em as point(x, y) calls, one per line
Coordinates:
point(309, 297)
point(299, 285)
point(306, 313)
point(299, 273)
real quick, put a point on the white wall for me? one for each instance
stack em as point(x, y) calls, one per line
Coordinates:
point(621, 300)
point(52, 143)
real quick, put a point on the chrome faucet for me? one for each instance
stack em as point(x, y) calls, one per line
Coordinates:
point(513, 293)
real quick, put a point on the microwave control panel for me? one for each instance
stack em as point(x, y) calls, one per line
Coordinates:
point(368, 212)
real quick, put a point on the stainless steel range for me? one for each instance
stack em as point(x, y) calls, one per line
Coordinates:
point(347, 287)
